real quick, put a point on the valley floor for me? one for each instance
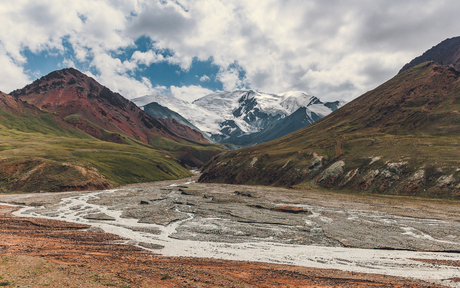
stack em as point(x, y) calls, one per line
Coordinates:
point(182, 233)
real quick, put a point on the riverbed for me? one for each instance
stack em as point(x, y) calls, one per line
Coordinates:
point(381, 235)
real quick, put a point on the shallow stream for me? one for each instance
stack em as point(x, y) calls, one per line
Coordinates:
point(191, 220)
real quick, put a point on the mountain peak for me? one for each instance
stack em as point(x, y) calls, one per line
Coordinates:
point(67, 87)
point(447, 53)
point(227, 116)
point(69, 92)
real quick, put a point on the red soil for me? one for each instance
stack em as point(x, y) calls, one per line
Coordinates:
point(83, 253)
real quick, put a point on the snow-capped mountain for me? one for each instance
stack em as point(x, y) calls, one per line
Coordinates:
point(205, 120)
point(228, 116)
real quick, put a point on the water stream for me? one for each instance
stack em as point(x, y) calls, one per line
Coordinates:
point(76, 209)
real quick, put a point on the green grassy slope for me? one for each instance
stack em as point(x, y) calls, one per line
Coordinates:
point(39, 152)
point(401, 138)
point(106, 115)
point(188, 152)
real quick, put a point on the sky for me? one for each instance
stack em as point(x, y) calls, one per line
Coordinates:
point(332, 49)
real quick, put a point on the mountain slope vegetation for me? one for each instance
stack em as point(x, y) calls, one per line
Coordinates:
point(39, 151)
point(108, 116)
point(67, 132)
point(401, 138)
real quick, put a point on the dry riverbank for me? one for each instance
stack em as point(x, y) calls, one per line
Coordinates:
point(327, 239)
point(40, 252)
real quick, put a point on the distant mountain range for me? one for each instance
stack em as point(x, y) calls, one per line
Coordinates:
point(400, 138)
point(244, 117)
point(69, 92)
point(67, 132)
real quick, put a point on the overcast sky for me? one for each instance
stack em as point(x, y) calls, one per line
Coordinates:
point(331, 49)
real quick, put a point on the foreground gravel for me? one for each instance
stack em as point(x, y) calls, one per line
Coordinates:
point(401, 237)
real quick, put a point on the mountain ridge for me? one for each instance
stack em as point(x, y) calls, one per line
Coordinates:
point(230, 117)
point(94, 109)
point(447, 53)
point(55, 148)
point(68, 92)
point(165, 115)
point(353, 148)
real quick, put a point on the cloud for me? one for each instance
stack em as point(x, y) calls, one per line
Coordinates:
point(205, 78)
point(127, 86)
point(331, 49)
point(300, 45)
point(189, 93)
point(146, 58)
point(12, 76)
point(161, 21)
point(231, 79)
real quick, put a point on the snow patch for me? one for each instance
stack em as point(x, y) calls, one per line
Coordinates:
point(208, 112)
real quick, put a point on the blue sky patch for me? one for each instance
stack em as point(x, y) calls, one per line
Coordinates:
point(200, 73)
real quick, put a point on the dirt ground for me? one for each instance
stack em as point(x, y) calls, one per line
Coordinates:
point(41, 253)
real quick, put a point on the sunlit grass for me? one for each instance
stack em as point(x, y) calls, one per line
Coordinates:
point(32, 140)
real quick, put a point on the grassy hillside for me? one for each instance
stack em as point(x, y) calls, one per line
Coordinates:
point(39, 152)
point(106, 115)
point(190, 152)
point(401, 138)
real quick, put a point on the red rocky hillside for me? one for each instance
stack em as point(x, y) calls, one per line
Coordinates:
point(70, 93)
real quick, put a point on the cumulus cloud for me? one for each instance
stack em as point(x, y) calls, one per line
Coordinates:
point(231, 79)
point(205, 78)
point(316, 46)
point(12, 76)
point(189, 93)
point(146, 58)
point(331, 49)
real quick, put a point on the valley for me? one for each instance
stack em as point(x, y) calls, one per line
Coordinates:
point(360, 195)
point(394, 236)
point(229, 144)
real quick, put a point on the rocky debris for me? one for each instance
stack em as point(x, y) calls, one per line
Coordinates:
point(367, 180)
point(316, 163)
point(145, 230)
point(276, 215)
point(243, 193)
point(254, 161)
point(189, 191)
point(226, 199)
point(331, 174)
point(374, 159)
point(445, 181)
point(332, 220)
point(349, 176)
point(161, 215)
point(76, 258)
point(99, 216)
point(158, 199)
point(291, 209)
point(151, 246)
